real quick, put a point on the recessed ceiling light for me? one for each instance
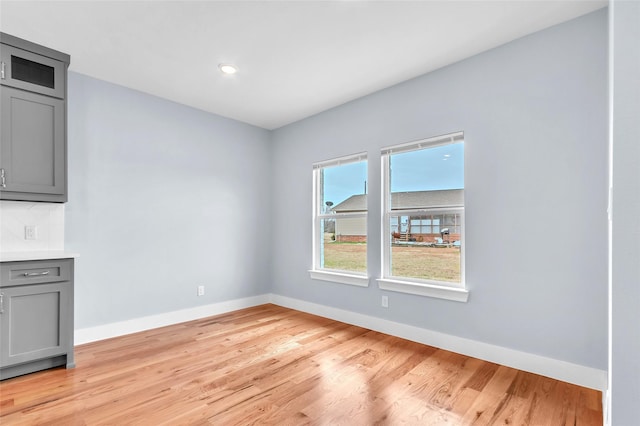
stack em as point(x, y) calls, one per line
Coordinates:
point(228, 69)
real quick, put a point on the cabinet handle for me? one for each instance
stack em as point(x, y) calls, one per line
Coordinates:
point(1, 303)
point(36, 274)
point(2, 70)
point(3, 180)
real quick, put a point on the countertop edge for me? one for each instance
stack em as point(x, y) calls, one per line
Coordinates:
point(18, 256)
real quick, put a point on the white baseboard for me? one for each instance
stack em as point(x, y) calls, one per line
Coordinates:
point(106, 331)
point(561, 370)
point(606, 407)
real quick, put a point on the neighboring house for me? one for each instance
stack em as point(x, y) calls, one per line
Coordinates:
point(351, 229)
point(428, 227)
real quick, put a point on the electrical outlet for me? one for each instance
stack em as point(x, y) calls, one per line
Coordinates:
point(385, 301)
point(200, 290)
point(30, 232)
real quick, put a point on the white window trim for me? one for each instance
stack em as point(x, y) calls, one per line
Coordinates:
point(424, 289)
point(339, 277)
point(333, 275)
point(424, 143)
point(430, 288)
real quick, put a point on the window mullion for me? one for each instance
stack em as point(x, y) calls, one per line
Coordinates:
point(386, 207)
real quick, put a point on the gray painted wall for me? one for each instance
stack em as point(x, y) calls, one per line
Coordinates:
point(625, 337)
point(534, 113)
point(162, 198)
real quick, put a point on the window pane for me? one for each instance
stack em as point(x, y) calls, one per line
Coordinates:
point(431, 179)
point(449, 220)
point(344, 244)
point(425, 262)
point(343, 237)
point(343, 188)
point(424, 255)
point(394, 224)
point(426, 169)
point(403, 223)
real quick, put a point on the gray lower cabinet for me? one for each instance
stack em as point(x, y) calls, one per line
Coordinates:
point(36, 316)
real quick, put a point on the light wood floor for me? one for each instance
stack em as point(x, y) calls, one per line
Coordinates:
point(275, 366)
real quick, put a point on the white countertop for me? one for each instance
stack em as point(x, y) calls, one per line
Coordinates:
point(15, 256)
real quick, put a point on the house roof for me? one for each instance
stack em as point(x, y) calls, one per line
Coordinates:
point(355, 203)
point(406, 200)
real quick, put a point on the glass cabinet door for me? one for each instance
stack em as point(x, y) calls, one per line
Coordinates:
point(35, 73)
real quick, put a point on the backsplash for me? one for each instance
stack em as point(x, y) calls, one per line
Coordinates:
point(47, 217)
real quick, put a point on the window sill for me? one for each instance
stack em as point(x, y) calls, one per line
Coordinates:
point(340, 277)
point(429, 290)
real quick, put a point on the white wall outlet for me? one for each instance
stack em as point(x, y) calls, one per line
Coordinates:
point(30, 232)
point(200, 290)
point(385, 301)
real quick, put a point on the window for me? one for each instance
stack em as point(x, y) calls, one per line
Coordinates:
point(340, 220)
point(423, 228)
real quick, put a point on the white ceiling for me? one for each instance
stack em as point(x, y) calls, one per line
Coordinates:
point(295, 58)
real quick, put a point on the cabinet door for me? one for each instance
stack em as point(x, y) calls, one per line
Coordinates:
point(32, 145)
point(29, 71)
point(33, 322)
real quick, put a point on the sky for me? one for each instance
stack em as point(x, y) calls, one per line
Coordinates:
point(427, 169)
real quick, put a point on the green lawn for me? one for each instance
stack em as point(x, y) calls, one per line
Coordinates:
point(345, 256)
point(434, 263)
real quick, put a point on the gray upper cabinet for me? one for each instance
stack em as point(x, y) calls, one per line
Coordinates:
point(33, 159)
point(29, 71)
point(33, 87)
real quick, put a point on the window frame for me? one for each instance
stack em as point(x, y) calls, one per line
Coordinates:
point(360, 279)
point(423, 287)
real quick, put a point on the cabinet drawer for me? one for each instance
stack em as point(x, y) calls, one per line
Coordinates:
point(35, 272)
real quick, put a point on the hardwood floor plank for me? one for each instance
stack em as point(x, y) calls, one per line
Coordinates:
point(270, 365)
